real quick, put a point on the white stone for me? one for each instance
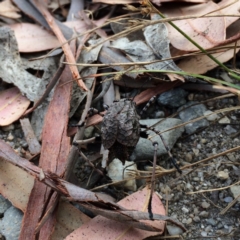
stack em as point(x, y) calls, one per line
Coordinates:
point(223, 174)
point(224, 120)
point(115, 172)
point(211, 117)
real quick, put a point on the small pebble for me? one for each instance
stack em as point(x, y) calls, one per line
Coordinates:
point(235, 191)
point(226, 226)
point(199, 146)
point(229, 130)
point(166, 189)
point(10, 137)
point(196, 211)
point(204, 214)
point(220, 225)
point(195, 151)
point(159, 114)
point(228, 199)
point(231, 157)
point(174, 230)
point(196, 219)
point(188, 157)
point(211, 221)
point(204, 234)
point(191, 97)
point(189, 221)
point(205, 205)
point(185, 210)
point(173, 98)
point(189, 186)
point(196, 179)
point(214, 151)
point(208, 228)
point(224, 120)
point(211, 117)
point(223, 174)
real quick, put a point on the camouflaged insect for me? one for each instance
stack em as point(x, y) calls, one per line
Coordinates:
point(120, 129)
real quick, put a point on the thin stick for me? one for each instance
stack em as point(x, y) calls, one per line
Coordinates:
point(66, 48)
point(89, 162)
point(230, 205)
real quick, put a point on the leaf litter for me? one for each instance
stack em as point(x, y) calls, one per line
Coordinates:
point(57, 154)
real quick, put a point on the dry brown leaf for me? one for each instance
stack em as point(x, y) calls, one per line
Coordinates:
point(28, 35)
point(13, 105)
point(68, 219)
point(202, 63)
point(207, 32)
point(8, 10)
point(102, 228)
point(33, 38)
point(232, 9)
point(15, 184)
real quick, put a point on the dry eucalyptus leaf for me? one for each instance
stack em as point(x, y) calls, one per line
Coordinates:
point(33, 38)
point(13, 105)
point(15, 184)
point(68, 219)
point(102, 228)
point(207, 32)
point(234, 8)
point(202, 63)
point(8, 10)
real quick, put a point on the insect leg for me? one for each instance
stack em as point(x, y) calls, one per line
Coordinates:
point(155, 145)
point(91, 112)
point(172, 159)
point(78, 144)
point(147, 105)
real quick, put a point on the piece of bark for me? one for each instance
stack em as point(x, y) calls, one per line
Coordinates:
point(33, 144)
point(55, 149)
